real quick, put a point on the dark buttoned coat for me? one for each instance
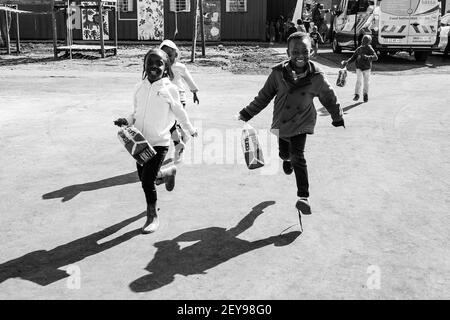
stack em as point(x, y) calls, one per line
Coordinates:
point(294, 112)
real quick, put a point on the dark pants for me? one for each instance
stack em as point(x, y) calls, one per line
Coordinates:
point(148, 172)
point(293, 149)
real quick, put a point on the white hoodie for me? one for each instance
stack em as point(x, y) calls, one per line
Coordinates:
point(180, 72)
point(155, 107)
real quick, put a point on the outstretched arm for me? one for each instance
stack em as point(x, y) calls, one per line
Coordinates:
point(329, 100)
point(261, 101)
point(179, 111)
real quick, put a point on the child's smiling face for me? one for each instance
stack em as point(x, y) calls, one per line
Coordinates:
point(155, 67)
point(299, 51)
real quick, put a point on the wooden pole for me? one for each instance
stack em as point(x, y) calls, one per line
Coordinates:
point(7, 37)
point(194, 31)
point(102, 41)
point(17, 34)
point(202, 28)
point(66, 20)
point(55, 32)
point(116, 30)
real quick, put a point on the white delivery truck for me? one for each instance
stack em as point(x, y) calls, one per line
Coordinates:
point(395, 25)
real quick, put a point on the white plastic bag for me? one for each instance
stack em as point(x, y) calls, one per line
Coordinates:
point(252, 150)
point(342, 77)
point(136, 144)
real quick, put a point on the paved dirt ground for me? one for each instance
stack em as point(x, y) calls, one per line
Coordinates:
point(71, 202)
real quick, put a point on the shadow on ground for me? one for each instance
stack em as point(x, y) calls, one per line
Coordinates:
point(42, 266)
point(323, 111)
point(70, 192)
point(15, 59)
point(214, 245)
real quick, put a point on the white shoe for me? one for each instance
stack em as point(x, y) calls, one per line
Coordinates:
point(151, 226)
point(178, 156)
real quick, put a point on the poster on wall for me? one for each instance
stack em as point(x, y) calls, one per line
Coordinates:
point(211, 14)
point(150, 19)
point(91, 23)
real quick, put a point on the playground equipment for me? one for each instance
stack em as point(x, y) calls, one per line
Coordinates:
point(7, 10)
point(54, 6)
point(100, 5)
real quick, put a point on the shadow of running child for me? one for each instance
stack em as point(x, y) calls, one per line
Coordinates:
point(215, 246)
point(42, 266)
point(70, 192)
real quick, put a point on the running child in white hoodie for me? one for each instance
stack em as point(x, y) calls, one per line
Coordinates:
point(181, 76)
point(155, 108)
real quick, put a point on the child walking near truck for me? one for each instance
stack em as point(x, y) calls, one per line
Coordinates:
point(363, 57)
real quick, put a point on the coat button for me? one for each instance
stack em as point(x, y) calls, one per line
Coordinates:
point(288, 107)
point(303, 93)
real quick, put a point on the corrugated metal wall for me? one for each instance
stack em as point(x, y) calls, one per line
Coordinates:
point(248, 25)
point(38, 26)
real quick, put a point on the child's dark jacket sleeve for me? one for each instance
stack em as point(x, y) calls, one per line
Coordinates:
point(329, 100)
point(373, 55)
point(354, 56)
point(263, 98)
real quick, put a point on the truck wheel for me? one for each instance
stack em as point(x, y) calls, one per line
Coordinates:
point(335, 45)
point(420, 56)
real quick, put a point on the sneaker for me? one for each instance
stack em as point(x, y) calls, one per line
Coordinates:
point(152, 223)
point(170, 179)
point(356, 97)
point(287, 167)
point(178, 156)
point(366, 97)
point(303, 206)
point(184, 136)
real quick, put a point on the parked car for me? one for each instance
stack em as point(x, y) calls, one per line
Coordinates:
point(444, 32)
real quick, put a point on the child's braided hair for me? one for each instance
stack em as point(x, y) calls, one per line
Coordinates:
point(167, 70)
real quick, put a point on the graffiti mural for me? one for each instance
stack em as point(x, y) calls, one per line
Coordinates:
point(150, 19)
point(211, 14)
point(91, 23)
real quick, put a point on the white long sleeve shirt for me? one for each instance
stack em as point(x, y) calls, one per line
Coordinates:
point(155, 107)
point(181, 74)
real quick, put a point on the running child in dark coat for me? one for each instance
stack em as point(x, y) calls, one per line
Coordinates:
point(294, 84)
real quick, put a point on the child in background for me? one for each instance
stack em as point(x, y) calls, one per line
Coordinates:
point(294, 84)
point(316, 38)
point(181, 75)
point(156, 104)
point(363, 57)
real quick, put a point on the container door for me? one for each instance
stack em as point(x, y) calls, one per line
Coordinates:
point(211, 17)
point(150, 19)
point(91, 22)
